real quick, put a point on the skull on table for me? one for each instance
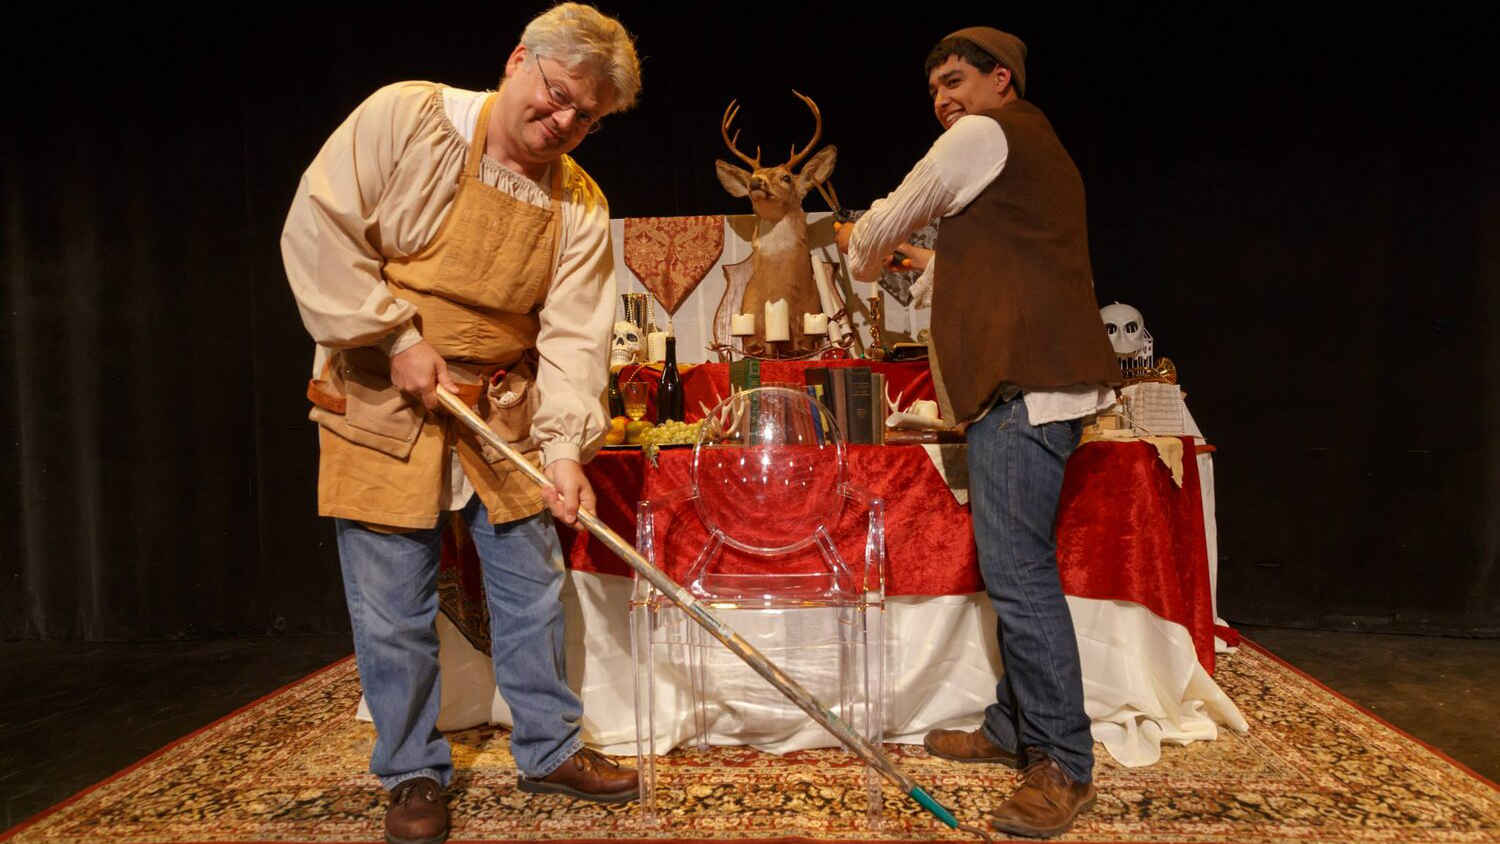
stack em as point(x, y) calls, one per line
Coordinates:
point(626, 346)
point(1126, 329)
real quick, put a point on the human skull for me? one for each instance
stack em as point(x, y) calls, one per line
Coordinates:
point(626, 345)
point(1126, 328)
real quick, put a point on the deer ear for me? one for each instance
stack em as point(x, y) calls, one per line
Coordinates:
point(818, 168)
point(734, 179)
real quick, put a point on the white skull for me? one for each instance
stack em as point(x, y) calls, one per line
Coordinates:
point(626, 345)
point(1126, 328)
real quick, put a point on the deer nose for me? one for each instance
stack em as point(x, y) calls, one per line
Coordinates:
point(757, 183)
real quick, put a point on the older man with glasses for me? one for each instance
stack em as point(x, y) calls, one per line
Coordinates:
point(444, 237)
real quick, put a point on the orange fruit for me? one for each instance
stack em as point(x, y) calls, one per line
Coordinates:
point(634, 430)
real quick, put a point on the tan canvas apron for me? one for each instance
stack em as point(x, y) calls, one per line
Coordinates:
point(478, 287)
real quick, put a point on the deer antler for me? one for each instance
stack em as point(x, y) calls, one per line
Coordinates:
point(896, 403)
point(729, 115)
point(726, 422)
point(817, 133)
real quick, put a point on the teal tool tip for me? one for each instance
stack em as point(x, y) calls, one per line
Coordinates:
point(934, 807)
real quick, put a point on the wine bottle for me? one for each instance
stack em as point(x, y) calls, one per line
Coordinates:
point(616, 401)
point(669, 395)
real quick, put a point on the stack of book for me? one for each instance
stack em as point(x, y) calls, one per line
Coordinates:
point(774, 422)
point(855, 397)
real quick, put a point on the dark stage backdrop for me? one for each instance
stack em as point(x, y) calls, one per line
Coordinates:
point(1305, 211)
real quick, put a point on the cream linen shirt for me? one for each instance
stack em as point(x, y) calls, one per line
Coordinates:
point(380, 188)
point(961, 164)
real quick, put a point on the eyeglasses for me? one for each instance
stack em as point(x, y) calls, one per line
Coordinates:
point(560, 98)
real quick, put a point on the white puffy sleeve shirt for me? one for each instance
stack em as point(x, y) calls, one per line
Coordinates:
point(960, 165)
point(381, 187)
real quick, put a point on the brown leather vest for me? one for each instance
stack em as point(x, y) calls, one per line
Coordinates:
point(478, 287)
point(1013, 296)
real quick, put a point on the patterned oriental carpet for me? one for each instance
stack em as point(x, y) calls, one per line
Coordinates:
point(290, 768)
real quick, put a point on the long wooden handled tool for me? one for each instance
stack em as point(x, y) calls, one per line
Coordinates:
point(857, 744)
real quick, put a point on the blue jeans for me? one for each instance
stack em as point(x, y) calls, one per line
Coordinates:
point(1015, 480)
point(390, 582)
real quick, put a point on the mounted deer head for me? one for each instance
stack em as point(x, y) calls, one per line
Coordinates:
point(781, 269)
point(774, 191)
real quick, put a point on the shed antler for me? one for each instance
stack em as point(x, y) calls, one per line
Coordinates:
point(817, 133)
point(895, 403)
point(729, 115)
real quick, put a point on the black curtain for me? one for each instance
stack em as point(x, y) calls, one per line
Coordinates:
point(1305, 211)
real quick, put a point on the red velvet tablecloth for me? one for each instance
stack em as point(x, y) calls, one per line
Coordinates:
point(1125, 530)
point(929, 548)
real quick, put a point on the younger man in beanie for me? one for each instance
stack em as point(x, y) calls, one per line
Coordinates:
point(1018, 355)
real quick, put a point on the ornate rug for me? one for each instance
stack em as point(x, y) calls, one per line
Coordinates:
point(289, 768)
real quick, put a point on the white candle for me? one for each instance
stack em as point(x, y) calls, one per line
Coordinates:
point(778, 321)
point(656, 342)
point(813, 324)
point(742, 325)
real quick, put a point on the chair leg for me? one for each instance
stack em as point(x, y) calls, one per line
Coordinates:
point(699, 643)
point(642, 618)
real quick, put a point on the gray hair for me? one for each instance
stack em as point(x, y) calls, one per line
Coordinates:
point(576, 35)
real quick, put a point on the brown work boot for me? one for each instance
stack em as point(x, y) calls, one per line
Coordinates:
point(960, 746)
point(1046, 803)
point(587, 775)
point(416, 815)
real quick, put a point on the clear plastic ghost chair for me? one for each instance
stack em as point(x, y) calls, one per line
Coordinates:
point(770, 533)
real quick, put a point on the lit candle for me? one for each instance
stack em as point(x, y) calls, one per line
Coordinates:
point(778, 321)
point(656, 342)
point(813, 324)
point(742, 325)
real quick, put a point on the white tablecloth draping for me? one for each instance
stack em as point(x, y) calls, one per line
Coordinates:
point(1143, 684)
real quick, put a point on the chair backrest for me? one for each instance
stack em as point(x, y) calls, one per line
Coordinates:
point(771, 509)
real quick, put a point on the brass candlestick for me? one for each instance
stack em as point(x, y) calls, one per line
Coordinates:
point(877, 316)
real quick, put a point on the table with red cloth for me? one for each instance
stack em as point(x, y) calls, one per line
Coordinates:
point(1132, 557)
point(1125, 530)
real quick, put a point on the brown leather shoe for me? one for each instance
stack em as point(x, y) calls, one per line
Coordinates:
point(960, 746)
point(587, 775)
point(1046, 804)
point(416, 814)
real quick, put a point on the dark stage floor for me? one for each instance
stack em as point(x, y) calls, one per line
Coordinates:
point(72, 714)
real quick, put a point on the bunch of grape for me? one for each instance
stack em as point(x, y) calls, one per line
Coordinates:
point(672, 433)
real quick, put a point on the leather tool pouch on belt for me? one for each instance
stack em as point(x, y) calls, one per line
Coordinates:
point(356, 400)
point(508, 404)
point(511, 400)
